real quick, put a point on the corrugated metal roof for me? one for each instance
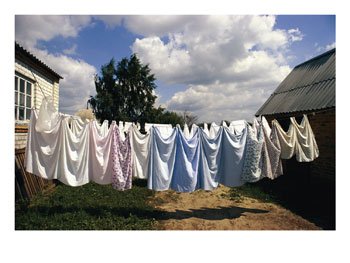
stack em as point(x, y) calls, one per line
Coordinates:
point(309, 86)
point(21, 50)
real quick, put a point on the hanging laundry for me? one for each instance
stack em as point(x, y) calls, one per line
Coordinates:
point(190, 133)
point(237, 126)
point(221, 159)
point(54, 152)
point(251, 168)
point(140, 144)
point(213, 131)
point(161, 159)
point(194, 129)
point(274, 152)
point(186, 131)
point(185, 172)
point(165, 129)
point(121, 130)
point(77, 124)
point(205, 129)
point(127, 125)
point(100, 146)
point(121, 157)
point(270, 164)
point(299, 140)
point(232, 158)
point(306, 148)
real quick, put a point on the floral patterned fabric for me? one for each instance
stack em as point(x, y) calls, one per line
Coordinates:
point(121, 157)
point(251, 169)
point(270, 163)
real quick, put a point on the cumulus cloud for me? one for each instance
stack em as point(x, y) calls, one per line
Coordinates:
point(77, 83)
point(229, 64)
point(330, 46)
point(160, 25)
point(295, 34)
point(78, 76)
point(71, 51)
point(110, 20)
point(322, 49)
point(31, 28)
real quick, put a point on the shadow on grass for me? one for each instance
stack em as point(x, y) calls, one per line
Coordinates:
point(102, 211)
point(210, 213)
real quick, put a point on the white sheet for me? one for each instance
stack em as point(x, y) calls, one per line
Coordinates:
point(54, 152)
point(299, 140)
point(140, 152)
point(165, 129)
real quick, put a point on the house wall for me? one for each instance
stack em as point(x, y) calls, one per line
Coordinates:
point(323, 126)
point(20, 140)
point(48, 87)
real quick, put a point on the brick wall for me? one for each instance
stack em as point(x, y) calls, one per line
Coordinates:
point(323, 126)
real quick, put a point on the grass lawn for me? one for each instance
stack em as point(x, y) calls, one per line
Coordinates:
point(92, 206)
point(100, 207)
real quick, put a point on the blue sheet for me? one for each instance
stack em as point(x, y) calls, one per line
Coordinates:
point(161, 160)
point(200, 162)
point(186, 163)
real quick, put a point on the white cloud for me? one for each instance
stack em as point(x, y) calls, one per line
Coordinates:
point(230, 64)
point(110, 20)
point(295, 34)
point(31, 28)
point(218, 102)
point(78, 76)
point(321, 49)
point(71, 51)
point(150, 25)
point(330, 46)
point(77, 83)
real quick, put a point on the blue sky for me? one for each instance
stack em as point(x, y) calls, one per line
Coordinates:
point(218, 67)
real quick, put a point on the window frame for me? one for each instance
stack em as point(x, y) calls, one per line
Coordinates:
point(17, 93)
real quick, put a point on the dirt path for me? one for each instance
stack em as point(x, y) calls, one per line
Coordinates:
point(213, 210)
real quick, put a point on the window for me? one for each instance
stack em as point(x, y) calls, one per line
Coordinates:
point(23, 98)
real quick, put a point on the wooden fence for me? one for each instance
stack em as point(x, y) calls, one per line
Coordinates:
point(26, 184)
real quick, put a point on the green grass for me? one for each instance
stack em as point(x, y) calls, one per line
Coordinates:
point(88, 207)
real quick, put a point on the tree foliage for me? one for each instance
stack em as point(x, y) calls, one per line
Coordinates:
point(160, 115)
point(124, 91)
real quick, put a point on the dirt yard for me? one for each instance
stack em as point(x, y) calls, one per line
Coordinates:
point(215, 210)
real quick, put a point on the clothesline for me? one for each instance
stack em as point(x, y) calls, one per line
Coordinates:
point(77, 152)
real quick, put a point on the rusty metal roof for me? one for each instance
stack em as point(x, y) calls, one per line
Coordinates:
point(309, 86)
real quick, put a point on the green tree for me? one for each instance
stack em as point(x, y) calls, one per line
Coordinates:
point(160, 115)
point(124, 92)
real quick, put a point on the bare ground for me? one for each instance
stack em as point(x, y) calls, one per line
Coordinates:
point(215, 210)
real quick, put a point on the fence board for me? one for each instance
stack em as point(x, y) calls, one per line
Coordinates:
point(26, 184)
